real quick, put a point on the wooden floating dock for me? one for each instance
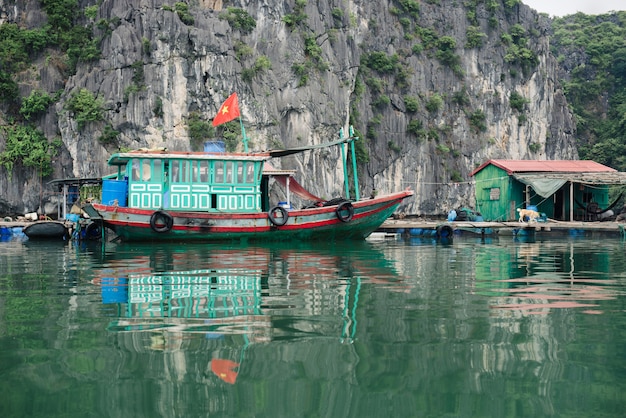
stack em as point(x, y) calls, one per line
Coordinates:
point(417, 227)
point(544, 229)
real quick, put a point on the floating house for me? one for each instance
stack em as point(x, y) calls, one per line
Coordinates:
point(562, 189)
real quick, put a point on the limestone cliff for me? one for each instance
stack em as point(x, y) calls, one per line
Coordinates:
point(433, 88)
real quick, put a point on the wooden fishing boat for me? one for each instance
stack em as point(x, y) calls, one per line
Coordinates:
point(223, 197)
point(212, 196)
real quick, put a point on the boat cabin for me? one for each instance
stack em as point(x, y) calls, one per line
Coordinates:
point(186, 181)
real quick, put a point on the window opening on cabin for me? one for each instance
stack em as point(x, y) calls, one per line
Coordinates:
point(199, 171)
point(180, 171)
point(239, 172)
point(157, 170)
point(194, 171)
point(219, 171)
point(250, 173)
point(135, 174)
point(174, 169)
point(146, 171)
point(122, 171)
point(494, 193)
point(229, 172)
point(184, 171)
point(203, 169)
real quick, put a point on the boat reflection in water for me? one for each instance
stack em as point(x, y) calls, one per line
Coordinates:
point(240, 296)
point(210, 302)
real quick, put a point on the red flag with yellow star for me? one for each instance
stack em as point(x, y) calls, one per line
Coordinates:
point(228, 111)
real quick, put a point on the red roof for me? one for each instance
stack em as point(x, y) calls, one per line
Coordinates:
point(547, 166)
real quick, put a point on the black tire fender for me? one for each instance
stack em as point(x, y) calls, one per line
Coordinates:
point(93, 231)
point(444, 231)
point(278, 220)
point(161, 221)
point(345, 206)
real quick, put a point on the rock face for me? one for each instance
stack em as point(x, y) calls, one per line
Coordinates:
point(430, 92)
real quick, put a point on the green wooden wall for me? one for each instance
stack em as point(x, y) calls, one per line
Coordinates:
point(494, 193)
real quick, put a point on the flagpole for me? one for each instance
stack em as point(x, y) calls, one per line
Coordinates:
point(243, 134)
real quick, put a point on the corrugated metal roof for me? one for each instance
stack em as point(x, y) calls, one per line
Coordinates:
point(610, 177)
point(576, 171)
point(547, 166)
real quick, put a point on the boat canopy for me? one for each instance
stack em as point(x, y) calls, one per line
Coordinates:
point(291, 151)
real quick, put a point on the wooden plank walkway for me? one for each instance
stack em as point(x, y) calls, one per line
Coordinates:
point(558, 227)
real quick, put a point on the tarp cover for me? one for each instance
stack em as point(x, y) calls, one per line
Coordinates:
point(297, 189)
point(294, 187)
point(544, 187)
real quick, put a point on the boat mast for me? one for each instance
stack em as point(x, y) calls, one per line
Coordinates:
point(353, 152)
point(350, 140)
point(244, 137)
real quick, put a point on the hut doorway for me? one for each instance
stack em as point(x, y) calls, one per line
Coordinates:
point(558, 204)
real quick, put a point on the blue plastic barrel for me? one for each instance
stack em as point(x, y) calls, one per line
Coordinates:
point(114, 190)
point(72, 195)
point(214, 146)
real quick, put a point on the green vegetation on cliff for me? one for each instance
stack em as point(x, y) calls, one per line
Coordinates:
point(19, 47)
point(592, 54)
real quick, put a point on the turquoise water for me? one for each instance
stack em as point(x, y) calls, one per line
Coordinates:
point(406, 328)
